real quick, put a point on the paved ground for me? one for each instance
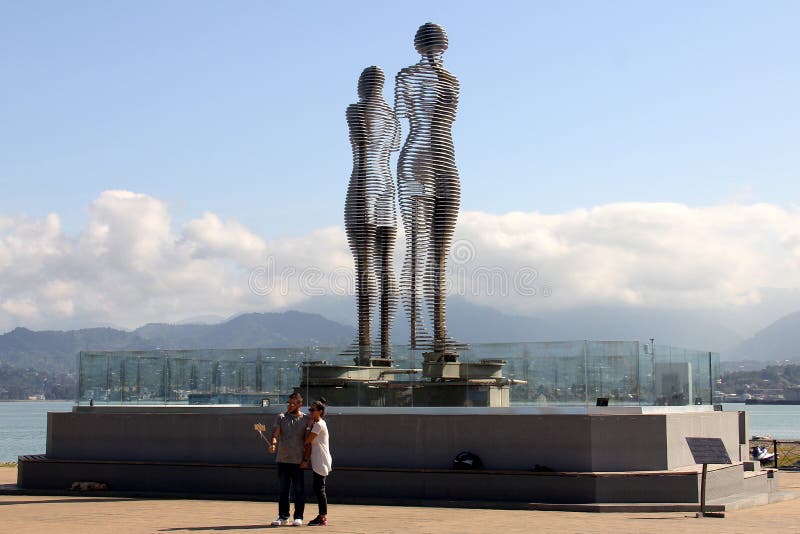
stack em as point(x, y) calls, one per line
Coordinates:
point(24, 514)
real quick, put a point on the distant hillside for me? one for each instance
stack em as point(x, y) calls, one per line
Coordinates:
point(56, 350)
point(287, 329)
point(34, 363)
point(775, 377)
point(31, 361)
point(777, 342)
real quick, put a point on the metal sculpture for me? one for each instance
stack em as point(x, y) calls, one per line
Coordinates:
point(369, 214)
point(429, 187)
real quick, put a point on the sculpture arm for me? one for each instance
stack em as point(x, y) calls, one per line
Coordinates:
point(455, 96)
point(401, 107)
point(454, 87)
point(396, 133)
point(357, 125)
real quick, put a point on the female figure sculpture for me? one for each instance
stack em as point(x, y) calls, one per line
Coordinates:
point(428, 184)
point(369, 215)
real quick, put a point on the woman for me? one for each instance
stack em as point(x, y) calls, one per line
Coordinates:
point(318, 452)
point(369, 213)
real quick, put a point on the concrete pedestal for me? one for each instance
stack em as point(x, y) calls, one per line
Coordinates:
point(595, 454)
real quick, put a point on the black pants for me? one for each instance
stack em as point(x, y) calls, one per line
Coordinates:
point(319, 491)
point(291, 476)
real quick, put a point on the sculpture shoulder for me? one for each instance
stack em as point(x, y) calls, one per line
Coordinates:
point(354, 110)
point(357, 124)
point(406, 73)
point(448, 77)
point(386, 109)
point(356, 114)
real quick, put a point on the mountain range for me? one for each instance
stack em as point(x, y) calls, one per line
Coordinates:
point(56, 351)
point(30, 358)
point(779, 341)
point(470, 323)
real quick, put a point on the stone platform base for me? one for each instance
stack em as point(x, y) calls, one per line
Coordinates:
point(615, 439)
point(498, 489)
point(582, 455)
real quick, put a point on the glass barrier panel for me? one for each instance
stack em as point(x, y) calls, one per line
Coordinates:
point(93, 384)
point(179, 379)
point(612, 372)
point(130, 379)
point(535, 373)
point(152, 386)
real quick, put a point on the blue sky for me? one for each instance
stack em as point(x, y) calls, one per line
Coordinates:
point(238, 107)
point(154, 155)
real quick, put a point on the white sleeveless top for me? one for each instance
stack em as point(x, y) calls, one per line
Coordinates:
point(321, 461)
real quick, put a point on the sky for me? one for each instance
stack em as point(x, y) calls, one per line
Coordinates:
point(152, 154)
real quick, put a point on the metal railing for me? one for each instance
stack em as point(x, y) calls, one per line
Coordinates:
point(783, 453)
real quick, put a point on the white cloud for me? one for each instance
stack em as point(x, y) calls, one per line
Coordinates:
point(23, 308)
point(215, 238)
point(132, 265)
point(652, 254)
point(129, 266)
point(129, 229)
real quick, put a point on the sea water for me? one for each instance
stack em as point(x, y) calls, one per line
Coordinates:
point(777, 421)
point(23, 427)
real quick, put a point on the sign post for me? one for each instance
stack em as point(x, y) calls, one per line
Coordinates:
point(707, 451)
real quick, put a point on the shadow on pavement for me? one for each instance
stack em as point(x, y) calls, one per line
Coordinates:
point(220, 527)
point(60, 501)
point(674, 518)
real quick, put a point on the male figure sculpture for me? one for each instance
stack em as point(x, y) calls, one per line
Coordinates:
point(428, 184)
point(369, 215)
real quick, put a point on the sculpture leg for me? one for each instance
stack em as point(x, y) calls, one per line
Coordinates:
point(362, 244)
point(384, 252)
point(445, 214)
point(420, 251)
point(414, 209)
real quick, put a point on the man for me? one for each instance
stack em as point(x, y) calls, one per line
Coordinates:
point(289, 440)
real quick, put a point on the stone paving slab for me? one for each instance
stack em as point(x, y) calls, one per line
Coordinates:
point(8, 475)
point(66, 514)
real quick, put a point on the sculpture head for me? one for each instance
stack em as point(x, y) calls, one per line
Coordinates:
point(370, 83)
point(431, 39)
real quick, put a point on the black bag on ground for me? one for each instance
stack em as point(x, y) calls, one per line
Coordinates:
point(467, 460)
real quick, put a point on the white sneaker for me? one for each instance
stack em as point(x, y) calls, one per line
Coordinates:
point(280, 522)
point(297, 523)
